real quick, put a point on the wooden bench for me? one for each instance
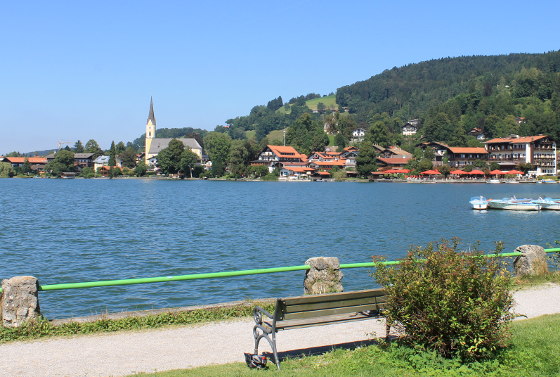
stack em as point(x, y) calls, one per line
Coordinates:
point(316, 310)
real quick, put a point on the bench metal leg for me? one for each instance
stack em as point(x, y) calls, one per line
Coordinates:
point(387, 329)
point(264, 334)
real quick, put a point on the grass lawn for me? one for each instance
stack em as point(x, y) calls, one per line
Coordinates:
point(277, 135)
point(328, 101)
point(534, 350)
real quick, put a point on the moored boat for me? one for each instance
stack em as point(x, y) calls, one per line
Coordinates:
point(514, 204)
point(493, 181)
point(479, 202)
point(548, 203)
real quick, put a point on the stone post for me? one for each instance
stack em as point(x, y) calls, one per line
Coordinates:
point(324, 276)
point(20, 300)
point(531, 262)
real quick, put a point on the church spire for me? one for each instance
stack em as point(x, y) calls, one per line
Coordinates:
point(151, 116)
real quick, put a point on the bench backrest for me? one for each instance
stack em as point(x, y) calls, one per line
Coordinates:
point(304, 307)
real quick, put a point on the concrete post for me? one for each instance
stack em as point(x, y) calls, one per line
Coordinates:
point(20, 300)
point(324, 276)
point(532, 262)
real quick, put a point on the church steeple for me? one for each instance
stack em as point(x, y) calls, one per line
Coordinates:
point(151, 116)
point(150, 132)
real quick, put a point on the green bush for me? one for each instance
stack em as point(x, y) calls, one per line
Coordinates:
point(456, 303)
point(87, 172)
point(270, 177)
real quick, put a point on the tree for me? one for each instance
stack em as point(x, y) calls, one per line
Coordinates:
point(217, 147)
point(238, 159)
point(525, 167)
point(169, 158)
point(188, 161)
point(26, 168)
point(141, 169)
point(275, 104)
point(306, 136)
point(321, 107)
point(365, 161)
point(445, 170)
point(6, 170)
point(87, 172)
point(258, 171)
point(112, 155)
point(92, 147)
point(340, 141)
point(114, 172)
point(128, 157)
point(378, 134)
point(63, 162)
point(120, 147)
point(438, 128)
point(78, 147)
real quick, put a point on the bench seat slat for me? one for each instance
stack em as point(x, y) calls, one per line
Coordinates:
point(328, 312)
point(320, 321)
point(333, 296)
point(334, 304)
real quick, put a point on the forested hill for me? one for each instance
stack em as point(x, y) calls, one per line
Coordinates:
point(500, 95)
point(410, 91)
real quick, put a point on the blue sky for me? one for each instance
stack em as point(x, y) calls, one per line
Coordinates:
point(86, 69)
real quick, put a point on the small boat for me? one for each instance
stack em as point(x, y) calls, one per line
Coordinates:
point(548, 203)
point(479, 202)
point(493, 181)
point(514, 204)
point(547, 181)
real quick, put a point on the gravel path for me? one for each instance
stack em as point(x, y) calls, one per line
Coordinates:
point(125, 353)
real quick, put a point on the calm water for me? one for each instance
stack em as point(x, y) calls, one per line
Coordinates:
point(64, 231)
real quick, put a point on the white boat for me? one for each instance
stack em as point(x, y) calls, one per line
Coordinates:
point(548, 203)
point(514, 204)
point(479, 202)
point(493, 181)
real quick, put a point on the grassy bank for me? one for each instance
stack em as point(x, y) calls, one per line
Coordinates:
point(533, 351)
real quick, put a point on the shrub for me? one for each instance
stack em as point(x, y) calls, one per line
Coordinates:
point(456, 303)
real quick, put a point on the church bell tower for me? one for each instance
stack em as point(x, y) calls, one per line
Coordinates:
point(150, 131)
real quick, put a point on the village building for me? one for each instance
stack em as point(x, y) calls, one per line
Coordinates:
point(462, 156)
point(278, 156)
point(454, 156)
point(392, 162)
point(296, 172)
point(103, 161)
point(358, 135)
point(540, 151)
point(81, 160)
point(153, 145)
point(411, 127)
point(393, 152)
point(478, 133)
point(327, 165)
point(36, 163)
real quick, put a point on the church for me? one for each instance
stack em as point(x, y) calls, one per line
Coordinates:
point(153, 144)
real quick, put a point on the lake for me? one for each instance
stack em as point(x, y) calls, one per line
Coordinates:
point(65, 231)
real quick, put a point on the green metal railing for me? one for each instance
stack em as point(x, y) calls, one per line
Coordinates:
point(213, 275)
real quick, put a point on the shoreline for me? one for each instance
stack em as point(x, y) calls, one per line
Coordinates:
point(355, 180)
